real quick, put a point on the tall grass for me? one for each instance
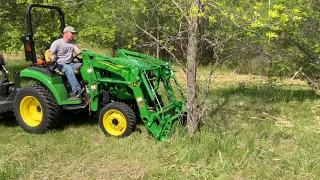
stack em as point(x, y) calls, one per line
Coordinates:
point(251, 130)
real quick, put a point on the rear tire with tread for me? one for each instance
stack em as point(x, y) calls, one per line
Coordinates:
point(36, 109)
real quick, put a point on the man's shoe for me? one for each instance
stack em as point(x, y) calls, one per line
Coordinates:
point(79, 92)
point(74, 96)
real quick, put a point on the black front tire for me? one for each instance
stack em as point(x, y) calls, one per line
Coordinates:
point(36, 109)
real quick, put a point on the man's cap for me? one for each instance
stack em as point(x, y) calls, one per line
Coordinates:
point(69, 29)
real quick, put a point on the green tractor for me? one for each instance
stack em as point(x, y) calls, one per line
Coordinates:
point(125, 89)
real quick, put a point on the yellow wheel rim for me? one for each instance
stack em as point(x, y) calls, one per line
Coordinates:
point(114, 122)
point(31, 111)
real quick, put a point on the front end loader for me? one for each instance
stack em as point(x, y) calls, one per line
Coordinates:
point(143, 83)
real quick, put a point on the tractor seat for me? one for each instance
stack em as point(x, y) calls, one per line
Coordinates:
point(56, 70)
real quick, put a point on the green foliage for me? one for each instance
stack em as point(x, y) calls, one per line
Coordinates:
point(283, 34)
point(11, 21)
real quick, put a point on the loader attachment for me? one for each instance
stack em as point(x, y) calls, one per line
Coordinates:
point(164, 101)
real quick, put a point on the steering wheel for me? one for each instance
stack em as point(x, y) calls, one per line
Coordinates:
point(80, 59)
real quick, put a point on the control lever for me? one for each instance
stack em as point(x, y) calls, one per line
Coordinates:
point(4, 68)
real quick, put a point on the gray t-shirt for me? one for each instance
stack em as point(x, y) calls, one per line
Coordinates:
point(62, 50)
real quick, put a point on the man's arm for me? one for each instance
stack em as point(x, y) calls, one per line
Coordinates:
point(77, 50)
point(50, 54)
point(53, 50)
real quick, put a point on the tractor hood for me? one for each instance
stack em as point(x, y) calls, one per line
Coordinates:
point(130, 59)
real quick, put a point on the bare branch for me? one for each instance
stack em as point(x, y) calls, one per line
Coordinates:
point(156, 6)
point(295, 74)
point(314, 84)
point(204, 100)
point(164, 47)
point(181, 11)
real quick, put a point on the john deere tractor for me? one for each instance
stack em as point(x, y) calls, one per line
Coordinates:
point(124, 89)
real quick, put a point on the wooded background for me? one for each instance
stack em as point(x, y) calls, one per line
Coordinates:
point(253, 128)
point(265, 37)
point(274, 38)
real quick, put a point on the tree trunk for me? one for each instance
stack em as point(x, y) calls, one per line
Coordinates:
point(192, 104)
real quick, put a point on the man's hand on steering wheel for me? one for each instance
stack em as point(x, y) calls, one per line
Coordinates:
point(76, 58)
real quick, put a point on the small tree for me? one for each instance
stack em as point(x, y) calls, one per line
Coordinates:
point(192, 49)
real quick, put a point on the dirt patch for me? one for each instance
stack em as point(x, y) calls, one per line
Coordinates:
point(10, 56)
point(236, 78)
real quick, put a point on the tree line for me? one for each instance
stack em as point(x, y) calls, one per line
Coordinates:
point(277, 36)
point(266, 37)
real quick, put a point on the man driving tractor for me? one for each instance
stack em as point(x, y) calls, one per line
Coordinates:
point(61, 51)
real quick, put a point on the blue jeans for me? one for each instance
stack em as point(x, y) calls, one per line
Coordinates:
point(67, 69)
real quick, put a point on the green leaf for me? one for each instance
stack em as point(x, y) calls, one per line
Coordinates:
point(271, 35)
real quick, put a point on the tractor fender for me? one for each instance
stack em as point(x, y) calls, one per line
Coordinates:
point(53, 83)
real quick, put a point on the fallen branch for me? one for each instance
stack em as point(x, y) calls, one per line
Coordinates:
point(279, 120)
point(314, 84)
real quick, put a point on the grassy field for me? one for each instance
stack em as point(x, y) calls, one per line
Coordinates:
point(253, 128)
